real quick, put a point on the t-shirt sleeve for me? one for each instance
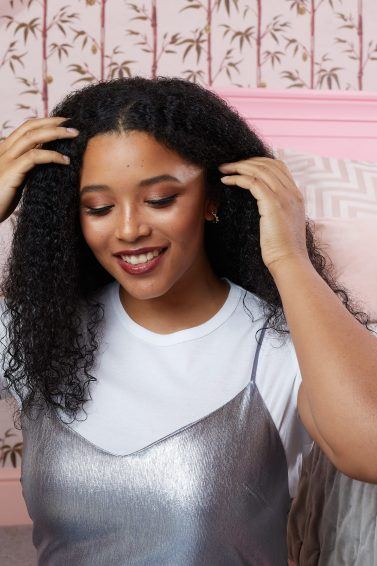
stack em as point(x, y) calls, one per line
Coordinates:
point(278, 380)
point(302, 442)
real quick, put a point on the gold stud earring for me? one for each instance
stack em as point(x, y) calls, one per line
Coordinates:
point(216, 217)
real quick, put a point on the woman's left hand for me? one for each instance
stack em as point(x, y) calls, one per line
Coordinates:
point(280, 204)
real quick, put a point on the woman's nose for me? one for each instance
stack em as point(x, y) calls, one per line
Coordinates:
point(130, 225)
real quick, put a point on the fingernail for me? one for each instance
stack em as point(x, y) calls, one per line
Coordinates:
point(66, 158)
point(72, 130)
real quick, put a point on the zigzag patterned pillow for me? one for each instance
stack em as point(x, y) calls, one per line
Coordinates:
point(341, 199)
point(332, 187)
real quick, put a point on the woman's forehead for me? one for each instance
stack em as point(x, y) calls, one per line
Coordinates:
point(137, 153)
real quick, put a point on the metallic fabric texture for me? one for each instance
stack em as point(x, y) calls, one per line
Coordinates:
point(212, 493)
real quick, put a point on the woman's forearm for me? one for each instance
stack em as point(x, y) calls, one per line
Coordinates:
point(338, 361)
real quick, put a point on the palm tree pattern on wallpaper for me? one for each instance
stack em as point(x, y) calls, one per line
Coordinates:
point(50, 47)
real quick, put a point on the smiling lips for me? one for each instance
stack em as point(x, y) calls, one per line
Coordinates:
point(143, 266)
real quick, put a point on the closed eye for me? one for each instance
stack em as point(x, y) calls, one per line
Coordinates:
point(98, 211)
point(162, 201)
point(158, 203)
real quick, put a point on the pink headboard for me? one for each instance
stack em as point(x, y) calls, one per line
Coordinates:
point(328, 123)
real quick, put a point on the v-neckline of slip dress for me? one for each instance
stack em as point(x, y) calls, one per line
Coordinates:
point(177, 432)
point(161, 440)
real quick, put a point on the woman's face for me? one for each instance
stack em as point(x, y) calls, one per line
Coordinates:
point(122, 168)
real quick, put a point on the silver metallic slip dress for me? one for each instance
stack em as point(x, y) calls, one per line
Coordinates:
point(212, 493)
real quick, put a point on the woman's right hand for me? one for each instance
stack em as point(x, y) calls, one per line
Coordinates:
point(19, 153)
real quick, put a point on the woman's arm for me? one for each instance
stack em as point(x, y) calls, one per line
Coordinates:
point(338, 361)
point(336, 354)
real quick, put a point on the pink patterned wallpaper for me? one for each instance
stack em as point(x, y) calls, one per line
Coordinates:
point(50, 47)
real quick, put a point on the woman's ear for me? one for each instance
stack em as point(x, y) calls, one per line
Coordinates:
point(210, 208)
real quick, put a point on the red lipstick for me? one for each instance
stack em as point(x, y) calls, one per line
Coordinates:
point(141, 268)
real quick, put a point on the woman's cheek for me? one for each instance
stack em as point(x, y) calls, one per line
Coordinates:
point(94, 233)
point(187, 229)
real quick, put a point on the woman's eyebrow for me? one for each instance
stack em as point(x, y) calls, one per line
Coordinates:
point(142, 183)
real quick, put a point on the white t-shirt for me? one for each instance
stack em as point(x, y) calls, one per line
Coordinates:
point(150, 385)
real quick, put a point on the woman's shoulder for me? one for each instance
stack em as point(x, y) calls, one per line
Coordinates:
point(277, 352)
point(256, 306)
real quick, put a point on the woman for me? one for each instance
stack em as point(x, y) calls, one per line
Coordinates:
point(191, 449)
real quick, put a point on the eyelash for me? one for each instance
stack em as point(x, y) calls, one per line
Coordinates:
point(159, 203)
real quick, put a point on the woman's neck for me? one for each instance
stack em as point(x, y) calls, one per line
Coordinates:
point(188, 304)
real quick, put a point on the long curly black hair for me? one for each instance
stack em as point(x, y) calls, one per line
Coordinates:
point(51, 274)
